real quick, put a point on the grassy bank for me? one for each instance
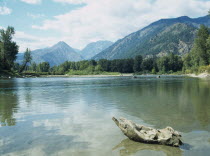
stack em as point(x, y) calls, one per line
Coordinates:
point(198, 70)
point(8, 74)
point(85, 72)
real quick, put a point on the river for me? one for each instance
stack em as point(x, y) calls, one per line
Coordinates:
point(72, 116)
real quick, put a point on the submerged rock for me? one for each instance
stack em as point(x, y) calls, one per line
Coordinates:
point(167, 136)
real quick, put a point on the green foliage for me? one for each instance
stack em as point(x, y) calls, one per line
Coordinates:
point(43, 67)
point(149, 64)
point(203, 69)
point(27, 56)
point(26, 59)
point(8, 48)
point(208, 49)
point(199, 57)
point(167, 64)
point(137, 63)
point(170, 63)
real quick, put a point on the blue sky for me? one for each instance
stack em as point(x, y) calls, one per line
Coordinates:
point(42, 23)
point(24, 15)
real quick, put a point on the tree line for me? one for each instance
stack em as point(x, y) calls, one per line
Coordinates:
point(198, 58)
point(167, 64)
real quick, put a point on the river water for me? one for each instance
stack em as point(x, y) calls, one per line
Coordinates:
point(72, 116)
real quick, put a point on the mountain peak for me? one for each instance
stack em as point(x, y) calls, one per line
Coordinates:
point(184, 17)
point(55, 55)
point(94, 48)
point(61, 43)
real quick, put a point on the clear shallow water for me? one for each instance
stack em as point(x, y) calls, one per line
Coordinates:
point(72, 116)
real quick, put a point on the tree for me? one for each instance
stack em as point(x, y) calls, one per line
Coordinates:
point(105, 64)
point(92, 63)
point(8, 48)
point(162, 64)
point(208, 49)
point(199, 51)
point(33, 66)
point(137, 63)
point(147, 64)
point(175, 62)
point(199, 55)
point(187, 62)
point(26, 59)
point(44, 67)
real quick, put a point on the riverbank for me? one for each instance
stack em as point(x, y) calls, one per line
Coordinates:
point(9, 74)
point(201, 75)
point(125, 75)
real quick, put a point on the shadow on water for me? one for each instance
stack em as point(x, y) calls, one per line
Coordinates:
point(186, 146)
point(128, 147)
point(8, 103)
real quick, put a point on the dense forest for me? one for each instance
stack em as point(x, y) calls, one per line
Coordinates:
point(197, 60)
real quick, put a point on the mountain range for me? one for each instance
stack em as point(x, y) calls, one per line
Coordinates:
point(174, 35)
point(94, 48)
point(62, 52)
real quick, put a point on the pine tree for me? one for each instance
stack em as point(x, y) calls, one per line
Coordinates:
point(199, 52)
point(137, 63)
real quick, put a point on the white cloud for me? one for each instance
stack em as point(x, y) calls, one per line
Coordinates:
point(25, 40)
point(113, 19)
point(35, 16)
point(5, 11)
point(32, 1)
point(71, 1)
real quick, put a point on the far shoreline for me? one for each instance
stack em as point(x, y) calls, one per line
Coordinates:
point(122, 75)
point(201, 75)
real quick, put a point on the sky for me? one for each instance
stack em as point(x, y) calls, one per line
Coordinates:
point(43, 23)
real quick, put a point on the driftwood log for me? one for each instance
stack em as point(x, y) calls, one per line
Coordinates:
point(167, 136)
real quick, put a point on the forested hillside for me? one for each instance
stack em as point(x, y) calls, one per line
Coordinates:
point(159, 38)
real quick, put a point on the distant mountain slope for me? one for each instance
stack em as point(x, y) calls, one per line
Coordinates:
point(55, 55)
point(94, 48)
point(166, 35)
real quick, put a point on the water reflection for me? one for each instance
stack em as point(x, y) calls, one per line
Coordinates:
point(51, 115)
point(8, 103)
point(128, 147)
point(184, 104)
point(37, 141)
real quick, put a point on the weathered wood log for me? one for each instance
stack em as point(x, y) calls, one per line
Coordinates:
point(167, 136)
